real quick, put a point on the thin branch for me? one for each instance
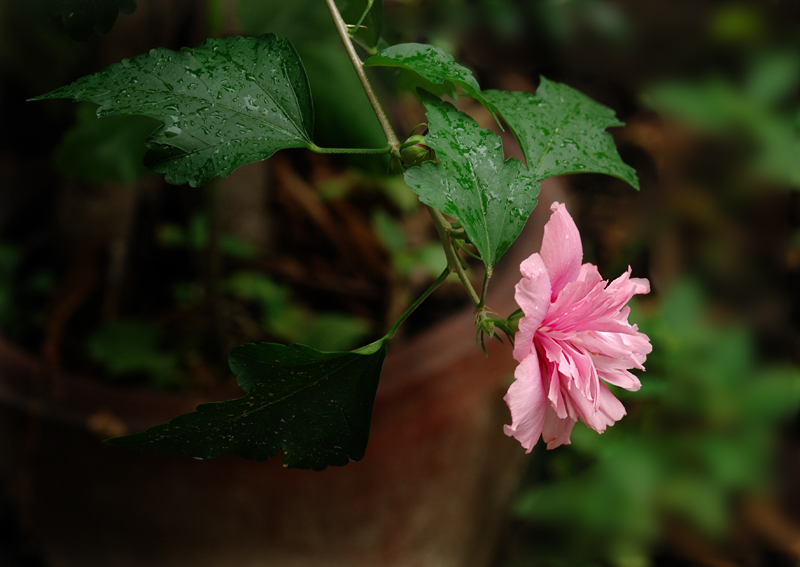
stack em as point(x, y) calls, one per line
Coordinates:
point(453, 261)
point(341, 27)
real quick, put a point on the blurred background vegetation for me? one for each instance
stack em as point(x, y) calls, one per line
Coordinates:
point(105, 270)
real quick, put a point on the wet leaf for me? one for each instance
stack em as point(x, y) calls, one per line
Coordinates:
point(560, 130)
point(226, 103)
point(81, 18)
point(491, 198)
point(438, 70)
point(314, 406)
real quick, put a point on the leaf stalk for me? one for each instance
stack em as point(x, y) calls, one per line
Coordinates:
point(443, 228)
point(439, 281)
point(363, 151)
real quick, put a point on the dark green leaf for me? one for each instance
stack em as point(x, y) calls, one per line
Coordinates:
point(98, 150)
point(439, 71)
point(83, 17)
point(561, 130)
point(491, 198)
point(372, 25)
point(314, 406)
point(229, 102)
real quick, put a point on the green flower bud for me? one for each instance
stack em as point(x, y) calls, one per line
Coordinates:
point(414, 151)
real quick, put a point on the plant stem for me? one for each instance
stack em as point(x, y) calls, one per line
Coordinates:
point(486, 277)
point(453, 261)
point(363, 15)
point(380, 151)
point(439, 281)
point(341, 27)
point(442, 226)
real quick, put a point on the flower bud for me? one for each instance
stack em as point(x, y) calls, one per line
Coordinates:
point(414, 151)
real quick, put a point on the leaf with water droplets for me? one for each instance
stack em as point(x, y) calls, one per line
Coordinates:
point(314, 406)
point(561, 130)
point(81, 18)
point(228, 102)
point(437, 72)
point(492, 199)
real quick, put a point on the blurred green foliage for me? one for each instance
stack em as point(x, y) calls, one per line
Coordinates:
point(109, 149)
point(130, 347)
point(700, 433)
point(429, 256)
point(763, 107)
point(22, 294)
point(281, 316)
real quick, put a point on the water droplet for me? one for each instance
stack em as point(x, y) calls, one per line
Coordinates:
point(172, 131)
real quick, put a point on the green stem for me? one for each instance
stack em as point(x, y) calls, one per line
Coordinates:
point(486, 277)
point(453, 261)
point(341, 27)
point(379, 151)
point(460, 246)
point(364, 15)
point(439, 281)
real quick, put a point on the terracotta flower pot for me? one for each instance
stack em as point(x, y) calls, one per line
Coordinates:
point(432, 489)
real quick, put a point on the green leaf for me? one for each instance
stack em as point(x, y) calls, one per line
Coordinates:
point(560, 130)
point(491, 198)
point(438, 70)
point(83, 17)
point(130, 347)
point(99, 150)
point(314, 406)
point(229, 102)
point(372, 25)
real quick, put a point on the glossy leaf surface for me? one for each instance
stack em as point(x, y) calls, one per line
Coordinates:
point(439, 71)
point(81, 18)
point(314, 406)
point(226, 103)
point(491, 198)
point(561, 130)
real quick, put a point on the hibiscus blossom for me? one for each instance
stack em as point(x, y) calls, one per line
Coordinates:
point(573, 339)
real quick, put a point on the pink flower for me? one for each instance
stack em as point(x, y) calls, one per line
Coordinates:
point(573, 339)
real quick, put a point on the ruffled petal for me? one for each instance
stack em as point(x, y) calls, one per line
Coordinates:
point(561, 249)
point(526, 398)
point(556, 430)
point(532, 294)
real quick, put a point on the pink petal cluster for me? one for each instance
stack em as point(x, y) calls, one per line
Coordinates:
point(573, 339)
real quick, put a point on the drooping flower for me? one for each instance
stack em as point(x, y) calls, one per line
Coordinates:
point(573, 339)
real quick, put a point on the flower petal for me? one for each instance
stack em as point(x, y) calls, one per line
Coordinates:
point(533, 296)
point(527, 401)
point(561, 249)
point(556, 430)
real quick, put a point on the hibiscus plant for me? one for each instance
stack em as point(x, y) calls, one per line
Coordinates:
point(236, 100)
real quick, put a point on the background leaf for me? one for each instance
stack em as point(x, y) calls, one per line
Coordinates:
point(131, 347)
point(81, 18)
point(229, 102)
point(491, 198)
point(104, 149)
point(439, 71)
point(314, 406)
point(560, 130)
